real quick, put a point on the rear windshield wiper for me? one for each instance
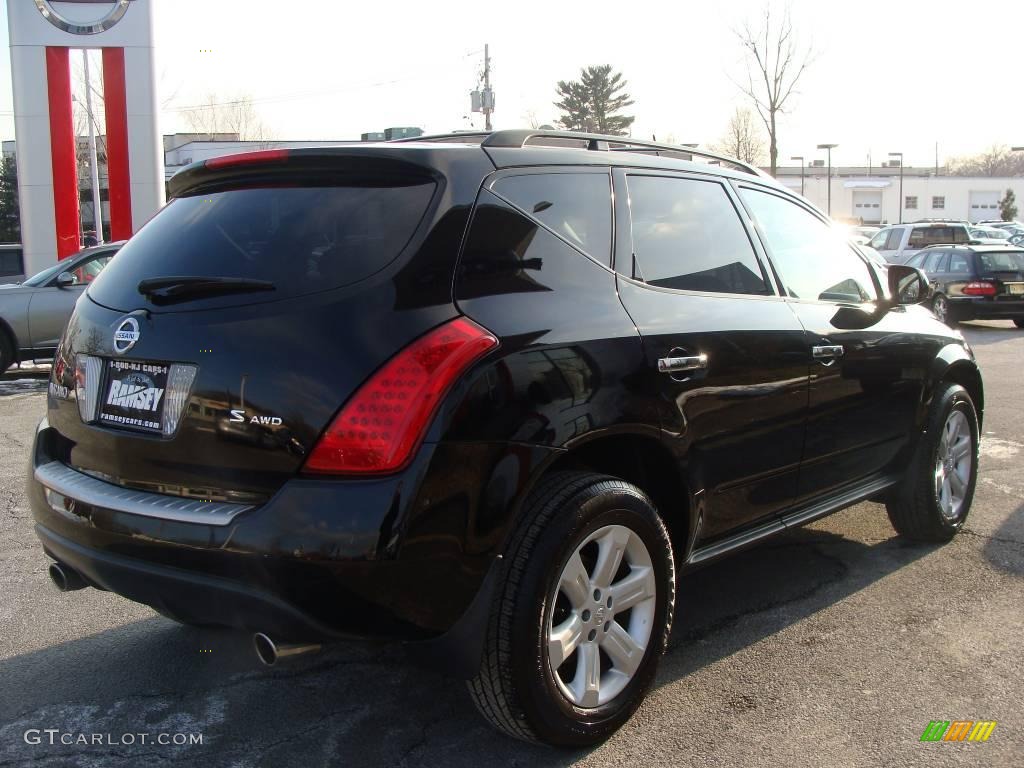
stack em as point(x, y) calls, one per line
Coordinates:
point(167, 289)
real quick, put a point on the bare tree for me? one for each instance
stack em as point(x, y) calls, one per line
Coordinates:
point(775, 63)
point(236, 115)
point(742, 138)
point(995, 161)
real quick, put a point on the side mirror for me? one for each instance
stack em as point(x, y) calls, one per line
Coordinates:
point(907, 285)
point(65, 280)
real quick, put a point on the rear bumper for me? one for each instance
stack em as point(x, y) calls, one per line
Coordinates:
point(986, 309)
point(320, 560)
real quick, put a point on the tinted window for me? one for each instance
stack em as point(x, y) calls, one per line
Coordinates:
point(813, 260)
point(1007, 261)
point(687, 235)
point(958, 263)
point(302, 239)
point(930, 235)
point(895, 238)
point(578, 206)
point(933, 262)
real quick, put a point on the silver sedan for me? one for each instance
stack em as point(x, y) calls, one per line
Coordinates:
point(33, 313)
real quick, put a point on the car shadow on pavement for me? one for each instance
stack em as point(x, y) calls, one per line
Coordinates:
point(1003, 547)
point(368, 705)
point(980, 334)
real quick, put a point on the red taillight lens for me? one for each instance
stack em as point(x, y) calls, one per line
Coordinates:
point(248, 158)
point(382, 424)
point(979, 288)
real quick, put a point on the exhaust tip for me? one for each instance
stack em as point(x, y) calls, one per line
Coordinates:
point(266, 651)
point(64, 578)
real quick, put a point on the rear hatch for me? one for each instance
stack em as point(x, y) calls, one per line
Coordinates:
point(213, 350)
point(1006, 270)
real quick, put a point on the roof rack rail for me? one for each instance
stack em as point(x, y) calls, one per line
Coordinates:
point(478, 136)
point(517, 138)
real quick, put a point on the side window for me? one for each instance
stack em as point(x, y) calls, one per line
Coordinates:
point(687, 235)
point(578, 206)
point(917, 260)
point(958, 264)
point(934, 261)
point(813, 261)
point(895, 238)
point(87, 271)
point(961, 235)
point(878, 241)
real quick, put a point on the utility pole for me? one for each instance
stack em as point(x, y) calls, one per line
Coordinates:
point(488, 99)
point(483, 100)
point(97, 209)
point(829, 148)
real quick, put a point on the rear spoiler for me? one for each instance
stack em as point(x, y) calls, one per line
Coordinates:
point(318, 165)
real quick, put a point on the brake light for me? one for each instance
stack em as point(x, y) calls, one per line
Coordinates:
point(979, 288)
point(248, 158)
point(383, 423)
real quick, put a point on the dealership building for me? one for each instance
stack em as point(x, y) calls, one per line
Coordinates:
point(872, 195)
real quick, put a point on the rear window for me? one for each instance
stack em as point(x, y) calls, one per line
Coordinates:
point(922, 236)
point(302, 239)
point(1004, 261)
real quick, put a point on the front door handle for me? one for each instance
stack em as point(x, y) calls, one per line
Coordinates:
point(677, 364)
point(827, 353)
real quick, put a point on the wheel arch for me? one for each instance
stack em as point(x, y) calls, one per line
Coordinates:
point(954, 363)
point(644, 461)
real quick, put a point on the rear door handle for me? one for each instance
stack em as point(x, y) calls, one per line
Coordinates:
point(827, 352)
point(677, 364)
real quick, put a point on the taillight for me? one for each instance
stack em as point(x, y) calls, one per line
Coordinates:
point(979, 288)
point(248, 158)
point(383, 423)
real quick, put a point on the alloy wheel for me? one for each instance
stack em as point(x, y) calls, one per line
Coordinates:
point(940, 307)
point(601, 616)
point(953, 463)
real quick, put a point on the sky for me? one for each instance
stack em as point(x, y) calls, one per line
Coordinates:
point(887, 76)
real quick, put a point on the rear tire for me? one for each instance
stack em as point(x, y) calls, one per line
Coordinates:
point(1019, 322)
point(6, 352)
point(932, 502)
point(942, 310)
point(589, 585)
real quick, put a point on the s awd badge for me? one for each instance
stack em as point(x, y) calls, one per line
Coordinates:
point(238, 416)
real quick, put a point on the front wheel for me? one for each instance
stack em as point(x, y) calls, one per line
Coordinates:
point(1019, 322)
point(933, 501)
point(583, 615)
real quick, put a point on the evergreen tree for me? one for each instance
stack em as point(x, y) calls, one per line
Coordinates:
point(10, 218)
point(593, 102)
point(1008, 206)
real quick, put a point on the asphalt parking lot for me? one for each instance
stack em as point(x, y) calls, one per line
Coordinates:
point(834, 645)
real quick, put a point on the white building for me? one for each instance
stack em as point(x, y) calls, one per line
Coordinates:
point(873, 197)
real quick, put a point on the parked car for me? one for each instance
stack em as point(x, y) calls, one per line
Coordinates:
point(989, 235)
point(11, 268)
point(33, 314)
point(899, 242)
point(975, 282)
point(510, 423)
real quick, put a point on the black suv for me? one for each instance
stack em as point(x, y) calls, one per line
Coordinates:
point(975, 282)
point(492, 394)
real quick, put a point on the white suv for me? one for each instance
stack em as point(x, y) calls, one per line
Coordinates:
point(901, 241)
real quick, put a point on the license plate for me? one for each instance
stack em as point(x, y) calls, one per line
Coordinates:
point(1015, 288)
point(133, 395)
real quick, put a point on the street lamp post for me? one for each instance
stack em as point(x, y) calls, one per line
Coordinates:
point(900, 156)
point(801, 159)
point(829, 147)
